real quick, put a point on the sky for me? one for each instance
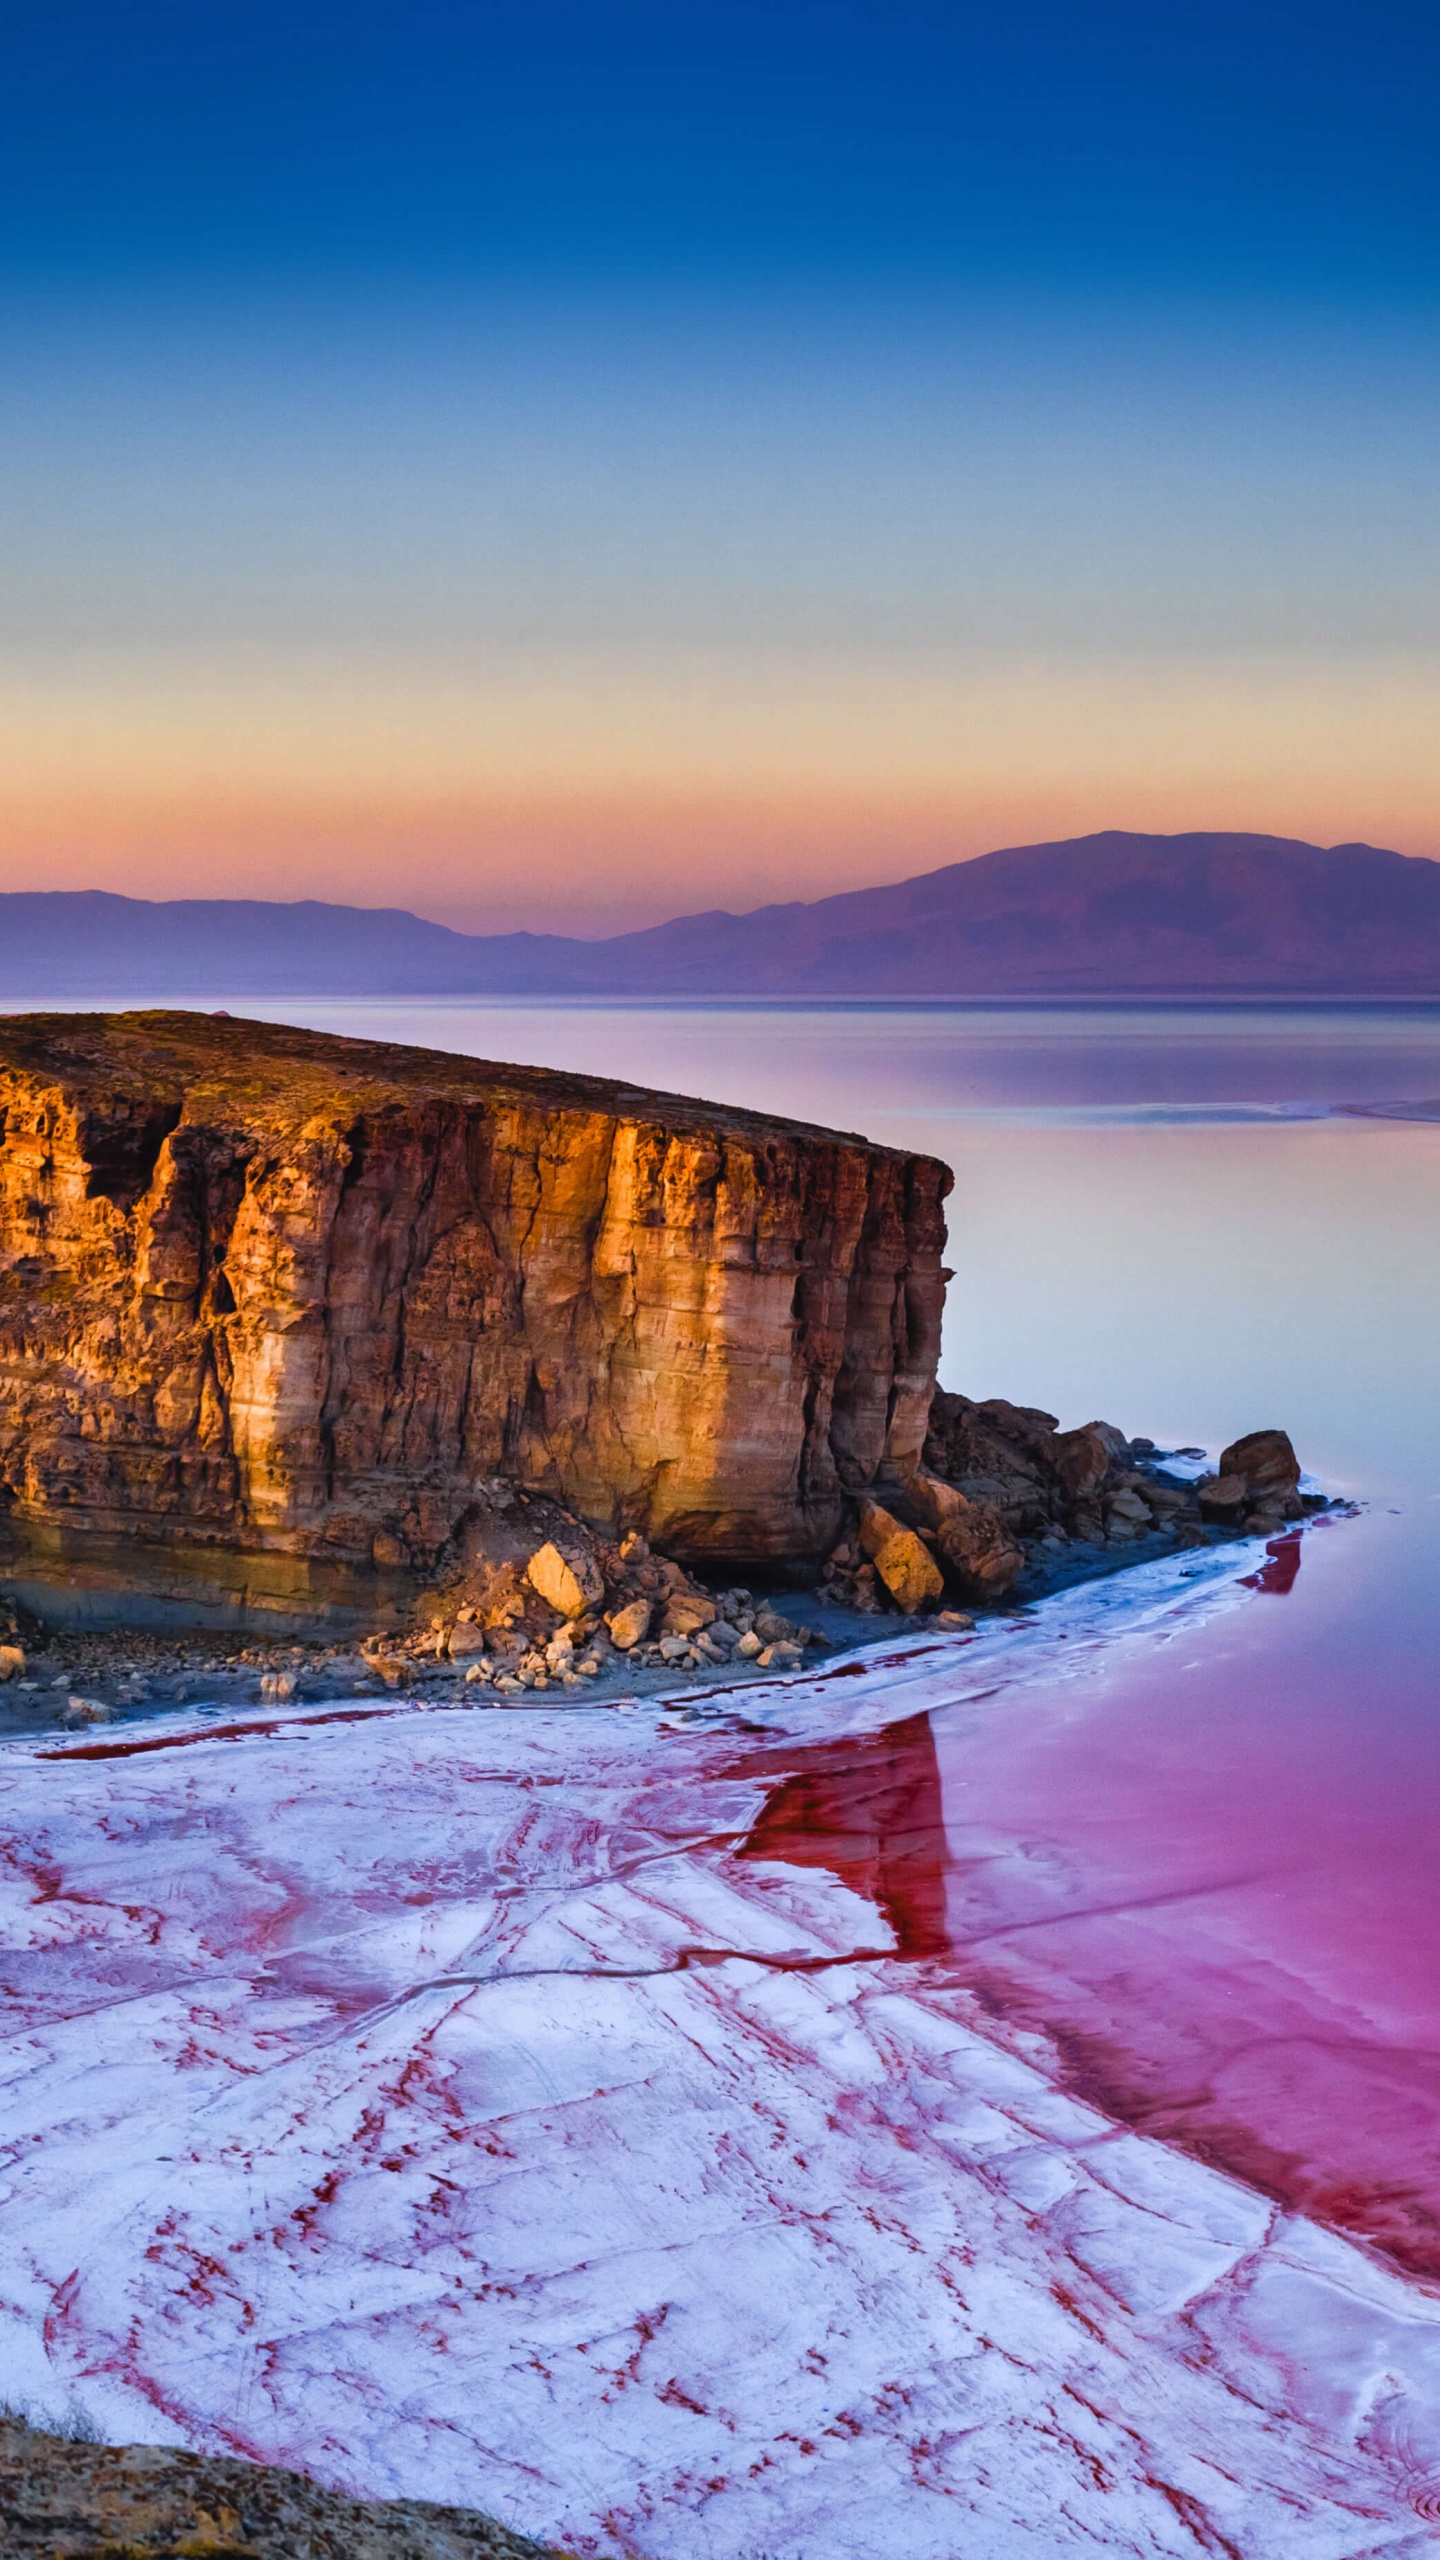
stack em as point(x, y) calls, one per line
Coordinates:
point(566, 465)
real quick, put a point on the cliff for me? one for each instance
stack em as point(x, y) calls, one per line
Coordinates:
point(277, 1311)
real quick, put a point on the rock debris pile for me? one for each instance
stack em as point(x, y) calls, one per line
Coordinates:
point(530, 1601)
point(1006, 1500)
point(538, 1601)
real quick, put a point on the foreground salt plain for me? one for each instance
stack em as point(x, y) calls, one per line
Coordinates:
point(492, 2107)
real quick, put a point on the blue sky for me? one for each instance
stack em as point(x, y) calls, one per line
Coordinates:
point(595, 460)
point(1212, 144)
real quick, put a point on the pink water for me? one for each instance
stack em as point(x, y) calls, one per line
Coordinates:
point(1209, 1869)
point(1204, 1872)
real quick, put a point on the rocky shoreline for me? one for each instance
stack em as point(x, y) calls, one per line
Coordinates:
point(535, 1604)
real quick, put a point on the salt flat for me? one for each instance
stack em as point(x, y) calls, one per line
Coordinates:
point(439, 2100)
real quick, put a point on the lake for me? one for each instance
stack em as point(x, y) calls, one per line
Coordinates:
point(1228, 1897)
point(823, 2025)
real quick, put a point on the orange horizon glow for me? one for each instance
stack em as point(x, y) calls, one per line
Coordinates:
point(576, 792)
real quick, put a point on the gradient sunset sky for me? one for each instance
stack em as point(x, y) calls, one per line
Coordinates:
point(567, 465)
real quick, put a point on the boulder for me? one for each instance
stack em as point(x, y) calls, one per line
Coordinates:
point(12, 1662)
point(1083, 1460)
point(1223, 1497)
point(932, 1498)
point(980, 1555)
point(1266, 1464)
point(997, 1453)
point(901, 1558)
point(570, 1583)
point(686, 1615)
point(629, 1626)
point(467, 1639)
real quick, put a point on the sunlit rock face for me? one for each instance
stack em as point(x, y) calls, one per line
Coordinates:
point(275, 1306)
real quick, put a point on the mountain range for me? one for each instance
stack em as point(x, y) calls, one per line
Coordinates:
point(1107, 914)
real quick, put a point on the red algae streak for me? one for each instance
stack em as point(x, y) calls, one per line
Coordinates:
point(871, 1813)
point(1281, 1568)
point(268, 1728)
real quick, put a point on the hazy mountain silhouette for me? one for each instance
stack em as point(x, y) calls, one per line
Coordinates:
point(1096, 915)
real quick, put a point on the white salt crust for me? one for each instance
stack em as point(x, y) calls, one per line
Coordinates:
point(363, 2111)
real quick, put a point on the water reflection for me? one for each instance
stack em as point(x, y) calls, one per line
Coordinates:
point(1281, 1566)
point(871, 1813)
point(1204, 1869)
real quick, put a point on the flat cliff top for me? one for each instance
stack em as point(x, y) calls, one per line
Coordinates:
point(276, 1072)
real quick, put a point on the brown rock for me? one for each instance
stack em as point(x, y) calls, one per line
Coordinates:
point(272, 1305)
point(686, 1616)
point(996, 1453)
point(1083, 1460)
point(630, 1625)
point(1266, 1464)
point(12, 1662)
point(1222, 1496)
point(570, 1583)
point(467, 1639)
point(902, 1560)
point(933, 1499)
point(979, 1553)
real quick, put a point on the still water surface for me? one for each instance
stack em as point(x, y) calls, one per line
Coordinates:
point(1210, 1867)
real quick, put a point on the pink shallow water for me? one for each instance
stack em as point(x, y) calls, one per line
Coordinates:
point(1213, 1884)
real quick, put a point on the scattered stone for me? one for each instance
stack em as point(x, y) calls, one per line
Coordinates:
point(630, 1626)
point(280, 1684)
point(12, 1662)
point(749, 1646)
point(685, 1616)
point(901, 1559)
point(86, 1711)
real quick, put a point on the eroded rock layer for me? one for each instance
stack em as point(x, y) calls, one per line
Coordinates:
point(277, 1309)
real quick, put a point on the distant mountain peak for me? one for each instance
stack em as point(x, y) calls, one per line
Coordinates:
point(1113, 913)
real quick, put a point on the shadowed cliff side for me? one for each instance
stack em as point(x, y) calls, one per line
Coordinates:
point(276, 1308)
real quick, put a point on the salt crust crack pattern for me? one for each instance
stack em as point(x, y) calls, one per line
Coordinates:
point(364, 2111)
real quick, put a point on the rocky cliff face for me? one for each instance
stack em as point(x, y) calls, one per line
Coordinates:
point(276, 1309)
